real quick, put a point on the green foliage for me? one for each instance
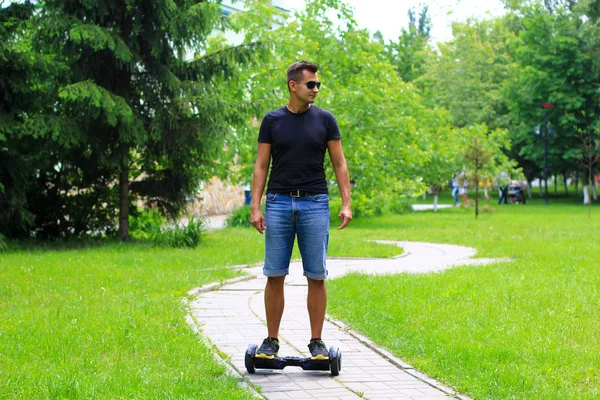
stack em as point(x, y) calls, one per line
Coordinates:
point(3, 244)
point(27, 123)
point(401, 205)
point(177, 235)
point(240, 217)
point(382, 119)
point(469, 74)
point(101, 102)
point(562, 71)
point(144, 224)
point(410, 53)
point(483, 156)
point(499, 72)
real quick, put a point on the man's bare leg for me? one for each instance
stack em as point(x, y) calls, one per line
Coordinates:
point(317, 304)
point(274, 304)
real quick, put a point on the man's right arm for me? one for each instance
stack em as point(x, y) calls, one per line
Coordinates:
point(259, 180)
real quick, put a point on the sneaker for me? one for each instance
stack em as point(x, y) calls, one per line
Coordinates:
point(318, 350)
point(268, 349)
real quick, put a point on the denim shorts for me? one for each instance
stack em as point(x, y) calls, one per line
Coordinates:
point(306, 217)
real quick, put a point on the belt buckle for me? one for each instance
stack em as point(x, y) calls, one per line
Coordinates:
point(295, 193)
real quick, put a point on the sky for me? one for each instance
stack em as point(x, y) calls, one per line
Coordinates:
point(389, 16)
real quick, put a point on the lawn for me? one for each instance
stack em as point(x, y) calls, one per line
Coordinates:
point(522, 330)
point(107, 321)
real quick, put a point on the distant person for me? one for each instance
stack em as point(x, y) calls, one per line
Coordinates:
point(463, 190)
point(503, 188)
point(455, 186)
point(247, 194)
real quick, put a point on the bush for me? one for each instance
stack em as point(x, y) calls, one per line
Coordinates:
point(401, 205)
point(367, 206)
point(240, 217)
point(143, 224)
point(189, 235)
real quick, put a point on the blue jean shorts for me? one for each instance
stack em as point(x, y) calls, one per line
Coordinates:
point(306, 217)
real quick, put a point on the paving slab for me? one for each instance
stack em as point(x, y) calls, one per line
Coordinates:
point(233, 316)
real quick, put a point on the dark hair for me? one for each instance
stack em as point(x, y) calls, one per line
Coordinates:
point(294, 72)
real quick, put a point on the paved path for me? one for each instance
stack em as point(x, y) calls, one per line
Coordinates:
point(422, 207)
point(232, 316)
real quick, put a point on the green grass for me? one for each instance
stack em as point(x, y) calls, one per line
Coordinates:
point(105, 320)
point(522, 330)
point(98, 320)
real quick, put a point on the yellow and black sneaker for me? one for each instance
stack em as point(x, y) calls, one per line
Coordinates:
point(318, 350)
point(268, 349)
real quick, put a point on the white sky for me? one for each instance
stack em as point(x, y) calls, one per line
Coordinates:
point(389, 16)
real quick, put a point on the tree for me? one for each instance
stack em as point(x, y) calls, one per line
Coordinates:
point(149, 121)
point(555, 57)
point(382, 119)
point(483, 156)
point(442, 155)
point(468, 76)
point(409, 54)
point(28, 124)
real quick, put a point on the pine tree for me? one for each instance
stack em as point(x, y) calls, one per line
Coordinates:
point(150, 121)
point(27, 118)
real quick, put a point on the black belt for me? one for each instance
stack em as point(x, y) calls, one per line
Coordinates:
point(297, 193)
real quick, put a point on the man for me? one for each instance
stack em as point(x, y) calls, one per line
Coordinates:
point(296, 137)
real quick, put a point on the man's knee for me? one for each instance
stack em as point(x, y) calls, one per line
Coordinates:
point(315, 283)
point(275, 281)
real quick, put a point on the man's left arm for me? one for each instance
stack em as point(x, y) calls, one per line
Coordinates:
point(343, 180)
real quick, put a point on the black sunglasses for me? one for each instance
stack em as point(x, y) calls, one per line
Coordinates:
point(311, 84)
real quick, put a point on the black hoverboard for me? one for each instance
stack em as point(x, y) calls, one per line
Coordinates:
point(333, 364)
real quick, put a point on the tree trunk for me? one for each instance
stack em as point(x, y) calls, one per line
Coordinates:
point(586, 194)
point(529, 191)
point(576, 178)
point(566, 184)
point(476, 196)
point(435, 203)
point(555, 184)
point(124, 202)
point(485, 193)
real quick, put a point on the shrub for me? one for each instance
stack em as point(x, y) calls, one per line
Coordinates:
point(240, 217)
point(401, 205)
point(143, 224)
point(178, 236)
point(367, 206)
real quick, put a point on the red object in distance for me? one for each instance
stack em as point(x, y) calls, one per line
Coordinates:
point(548, 105)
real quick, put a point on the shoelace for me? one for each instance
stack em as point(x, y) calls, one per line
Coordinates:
point(317, 343)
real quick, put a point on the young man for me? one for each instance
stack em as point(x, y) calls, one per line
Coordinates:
point(295, 137)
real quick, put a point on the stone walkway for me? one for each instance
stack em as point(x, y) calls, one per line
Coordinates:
point(232, 316)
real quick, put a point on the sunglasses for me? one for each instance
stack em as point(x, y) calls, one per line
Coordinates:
point(311, 84)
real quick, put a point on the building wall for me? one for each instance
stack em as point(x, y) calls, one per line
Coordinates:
point(217, 197)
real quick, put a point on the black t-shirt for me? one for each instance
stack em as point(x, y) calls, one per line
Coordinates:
point(298, 145)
